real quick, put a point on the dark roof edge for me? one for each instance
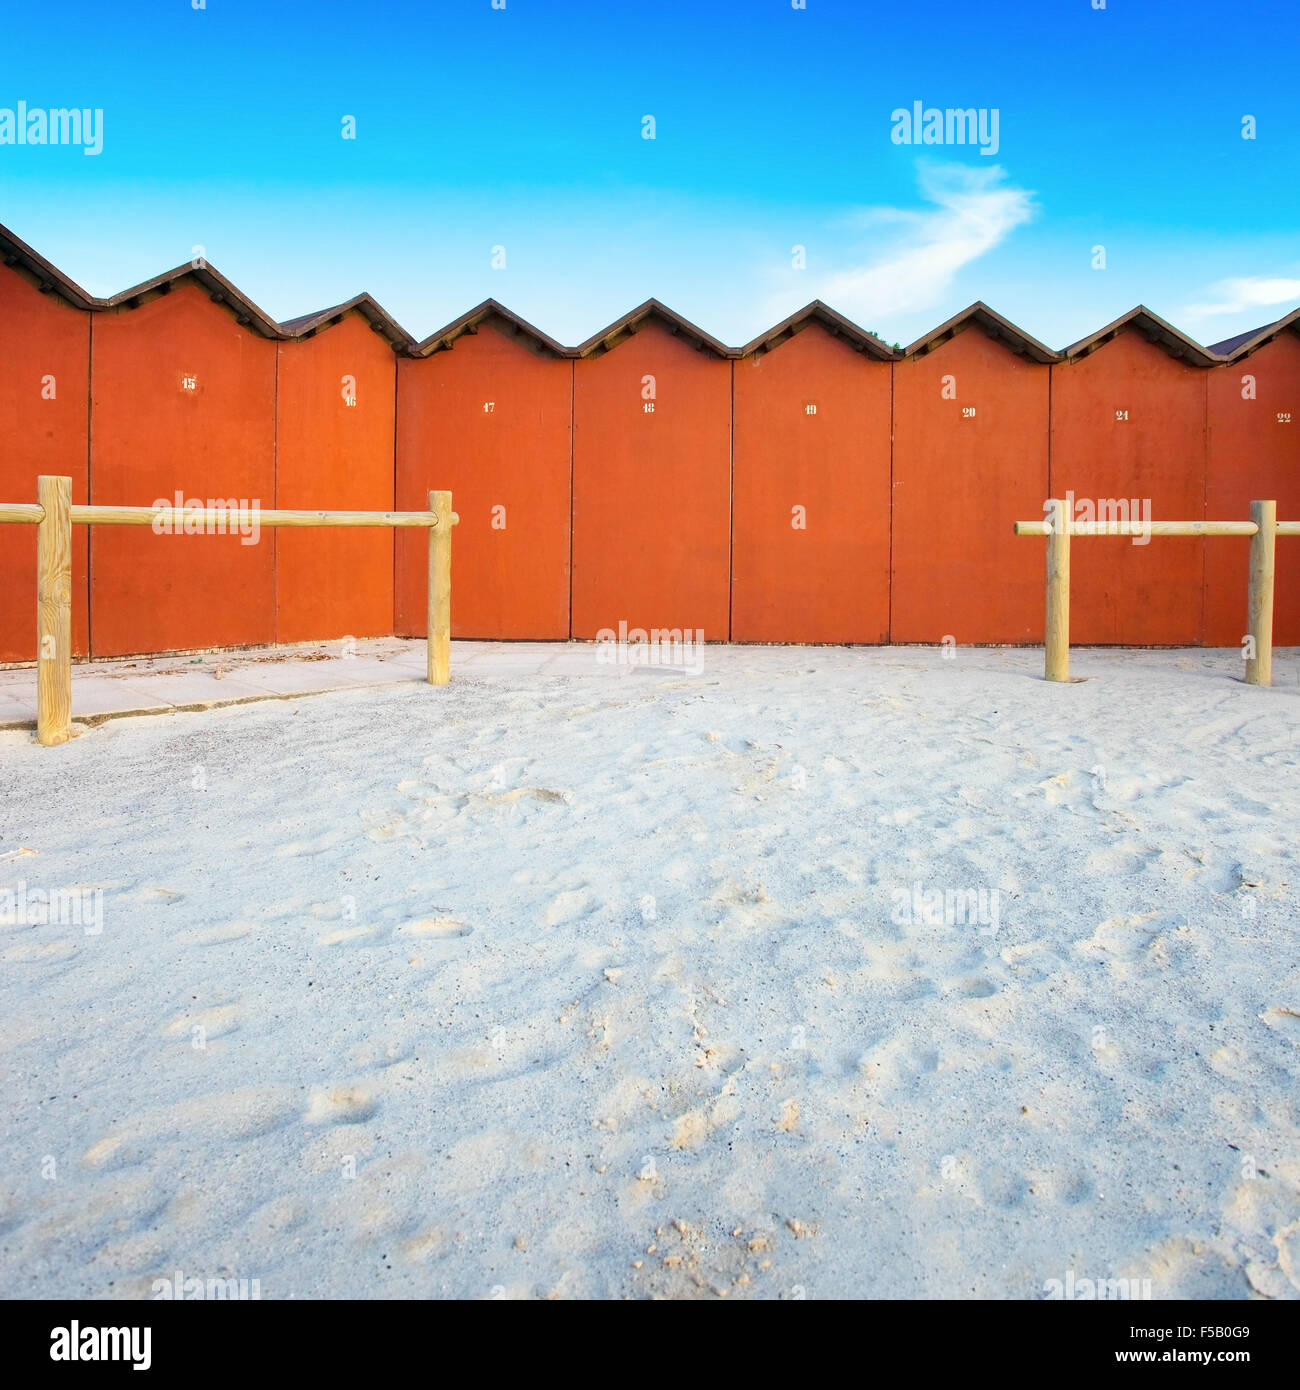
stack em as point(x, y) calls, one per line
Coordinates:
point(49, 278)
point(1000, 329)
point(1152, 327)
point(309, 325)
point(833, 322)
point(218, 287)
point(612, 334)
point(482, 313)
point(1234, 349)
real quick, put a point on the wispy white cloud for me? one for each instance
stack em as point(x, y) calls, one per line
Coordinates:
point(1237, 295)
point(973, 211)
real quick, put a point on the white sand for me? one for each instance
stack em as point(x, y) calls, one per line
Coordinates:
point(410, 925)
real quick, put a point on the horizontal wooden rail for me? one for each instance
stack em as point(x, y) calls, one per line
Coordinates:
point(218, 516)
point(22, 511)
point(1263, 529)
point(55, 516)
point(180, 517)
point(1140, 528)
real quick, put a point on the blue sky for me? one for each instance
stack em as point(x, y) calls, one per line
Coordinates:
point(522, 128)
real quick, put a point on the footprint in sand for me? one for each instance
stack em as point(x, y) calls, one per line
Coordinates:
point(1032, 962)
point(1127, 858)
point(340, 1105)
point(384, 825)
point(422, 1245)
point(153, 894)
point(973, 988)
point(215, 1022)
point(517, 794)
point(115, 1151)
point(566, 907)
point(447, 928)
point(1285, 1021)
point(309, 849)
point(215, 936)
point(38, 953)
point(1059, 789)
point(351, 936)
point(226, 1116)
point(1125, 938)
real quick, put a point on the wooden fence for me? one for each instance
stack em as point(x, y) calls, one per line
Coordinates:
point(1263, 528)
point(54, 516)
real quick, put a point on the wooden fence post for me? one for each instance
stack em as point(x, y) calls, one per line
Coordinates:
point(54, 611)
point(439, 638)
point(1259, 669)
point(1056, 664)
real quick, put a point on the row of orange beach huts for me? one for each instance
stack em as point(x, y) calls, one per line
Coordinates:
point(813, 486)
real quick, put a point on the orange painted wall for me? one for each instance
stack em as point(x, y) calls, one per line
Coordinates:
point(510, 582)
point(830, 581)
point(651, 497)
point(1122, 593)
point(149, 437)
point(40, 336)
point(652, 491)
point(335, 456)
point(959, 484)
point(1253, 454)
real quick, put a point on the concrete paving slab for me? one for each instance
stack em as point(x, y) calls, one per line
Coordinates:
point(499, 670)
point(92, 699)
point(304, 677)
point(581, 660)
point(148, 685)
point(187, 688)
point(15, 711)
point(15, 677)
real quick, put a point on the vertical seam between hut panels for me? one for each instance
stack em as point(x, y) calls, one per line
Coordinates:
point(573, 431)
point(1203, 626)
point(889, 548)
point(1051, 383)
point(1051, 434)
point(731, 504)
point(275, 492)
point(397, 540)
point(1209, 624)
point(90, 426)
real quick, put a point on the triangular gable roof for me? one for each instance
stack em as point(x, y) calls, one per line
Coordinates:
point(380, 320)
point(623, 328)
point(834, 323)
point(218, 287)
point(1001, 330)
point(499, 317)
point(1246, 343)
point(49, 279)
point(1155, 330)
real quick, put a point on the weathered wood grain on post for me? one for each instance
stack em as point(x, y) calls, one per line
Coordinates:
point(1056, 638)
point(439, 638)
point(54, 611)
point(1259, 668)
